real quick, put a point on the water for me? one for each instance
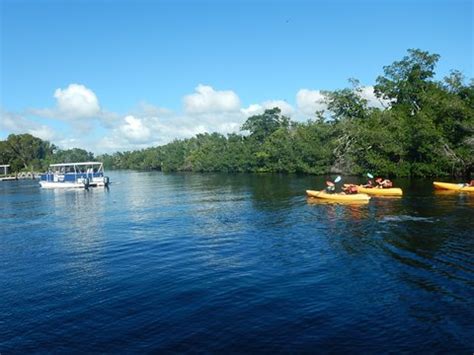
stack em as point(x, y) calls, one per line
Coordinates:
point(241, 263)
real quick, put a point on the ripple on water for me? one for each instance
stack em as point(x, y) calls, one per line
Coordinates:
point(241, 263)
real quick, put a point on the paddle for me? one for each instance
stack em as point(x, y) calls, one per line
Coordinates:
point(337, 179)
point(370, 176)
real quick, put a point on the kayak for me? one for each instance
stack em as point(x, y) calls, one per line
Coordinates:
point(338, 197)
point(454, 187)
point(393, 191)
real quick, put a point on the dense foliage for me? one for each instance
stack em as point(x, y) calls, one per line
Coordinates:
point(24, 152)
point(426, 129)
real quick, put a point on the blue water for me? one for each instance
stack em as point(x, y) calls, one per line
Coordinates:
point(234, 263)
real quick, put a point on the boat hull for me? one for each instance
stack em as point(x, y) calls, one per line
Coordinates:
point(96, 182)
point(393, 191)
point(61, 185)
point(453, 187)
point(338, 197)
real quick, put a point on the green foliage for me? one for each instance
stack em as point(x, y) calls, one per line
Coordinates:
point(347, 103)
point(262, 126)
point(72, 155)
point(25, 152)
point(428, 129)
point(406, 80)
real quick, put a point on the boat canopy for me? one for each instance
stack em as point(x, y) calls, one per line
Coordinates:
point(77, 164)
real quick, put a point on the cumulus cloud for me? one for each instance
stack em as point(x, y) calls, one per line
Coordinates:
point(252, 110)
point(135, 130)
point(142, 132)
point(72, 103)
point(77, 101)
point(206, 100)
point(310, 101)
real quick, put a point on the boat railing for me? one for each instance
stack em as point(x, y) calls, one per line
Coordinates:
point(54, 176)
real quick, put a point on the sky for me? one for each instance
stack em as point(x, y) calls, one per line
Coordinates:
point(120, 75)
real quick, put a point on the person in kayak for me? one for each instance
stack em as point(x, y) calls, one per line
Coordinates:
point(383, 183)
point(369, 184)
point(330, 187)
point(386, 184)
point(349, 189)
point(471, 183)
point(378, 182)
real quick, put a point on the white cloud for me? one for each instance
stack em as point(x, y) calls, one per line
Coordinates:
point(285, 107)
point(257, 109)
point(14, 123)
point(77, 101)
point(207, 100)
point(252, 110)
point(310, 101)
point(134, 130)
point(367, 92)
point(141, 131)
point(72, 104)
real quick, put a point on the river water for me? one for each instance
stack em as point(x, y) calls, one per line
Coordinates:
point(234, 263)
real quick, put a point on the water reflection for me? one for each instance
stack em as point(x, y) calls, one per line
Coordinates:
point(79, 216)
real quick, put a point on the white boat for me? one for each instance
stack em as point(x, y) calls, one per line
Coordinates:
point(74, 175)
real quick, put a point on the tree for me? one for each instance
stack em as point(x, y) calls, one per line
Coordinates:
point(72, 155)
point(262, 126)
point(406, 80)
point(347, 103)
point(24, 151)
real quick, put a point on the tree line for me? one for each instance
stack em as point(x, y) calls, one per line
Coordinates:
point(24, 152)
point(427, 129)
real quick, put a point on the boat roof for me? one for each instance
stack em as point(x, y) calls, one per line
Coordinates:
point(78, 164)
point(5, 166)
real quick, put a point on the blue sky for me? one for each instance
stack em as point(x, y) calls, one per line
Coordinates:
point(130, 74)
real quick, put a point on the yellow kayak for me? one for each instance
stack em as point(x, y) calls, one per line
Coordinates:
point(453, 187)
point(393, 191)
point(338, 197)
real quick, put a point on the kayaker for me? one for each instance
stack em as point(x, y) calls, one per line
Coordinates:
point(349, 189)
point(369, 184)
point(378, 181)
point(383, 183)
point(330, 187)
point(386, 184)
